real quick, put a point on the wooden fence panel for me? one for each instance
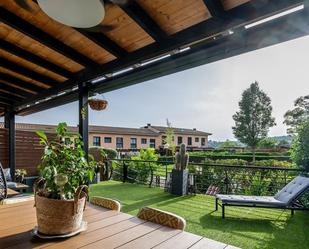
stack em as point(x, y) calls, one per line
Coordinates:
point(28, 150)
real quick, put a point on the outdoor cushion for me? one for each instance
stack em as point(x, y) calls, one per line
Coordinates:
point(243, 199)
point(7, 174)
point(106, 203)
point(161, 217)
point(11, 184)
point(292, 190)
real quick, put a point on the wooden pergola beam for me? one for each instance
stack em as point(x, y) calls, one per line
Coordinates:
point(37, 34)
point(20, 83)
point(9, 97)
point(33, 58)
point(104, 42)
point(6, 101)
point(27, 72)
point(215, 8)
point(140, 16)
point(238, 17)
point(14, 90)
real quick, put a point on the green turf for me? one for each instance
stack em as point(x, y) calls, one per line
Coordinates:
point(243, 227)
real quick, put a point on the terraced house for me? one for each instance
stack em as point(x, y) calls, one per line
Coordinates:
point(123, 138)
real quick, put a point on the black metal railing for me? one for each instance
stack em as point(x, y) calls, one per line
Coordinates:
point(229, 179)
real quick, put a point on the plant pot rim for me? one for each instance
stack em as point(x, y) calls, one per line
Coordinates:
point(68, 200)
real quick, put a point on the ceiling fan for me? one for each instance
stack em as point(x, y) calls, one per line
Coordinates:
point(85, 14)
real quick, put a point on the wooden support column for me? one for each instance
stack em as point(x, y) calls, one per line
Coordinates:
point(83, 115)
point(9, 124)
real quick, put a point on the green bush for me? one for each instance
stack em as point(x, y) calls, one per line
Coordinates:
point(141, 171)
point(110, 153)
point(300, 147)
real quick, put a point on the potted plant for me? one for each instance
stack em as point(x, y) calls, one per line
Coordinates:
point(61, 191)
point(20, 175)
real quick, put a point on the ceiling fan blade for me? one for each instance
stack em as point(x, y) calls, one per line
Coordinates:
point(100, 28)
point(23, 4)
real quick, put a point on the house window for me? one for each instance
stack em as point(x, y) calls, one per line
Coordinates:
point(107, 140)
point(96, 141)
point(179, 140)
point(133, 143)
point(144, 141)
point(197, 139)
point(189, 141)
point(152, 143)
point(163, 140)
point(67, 141)
point(203, 141)
point(119, 142)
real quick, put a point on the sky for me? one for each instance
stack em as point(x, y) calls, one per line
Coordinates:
point(204, 97)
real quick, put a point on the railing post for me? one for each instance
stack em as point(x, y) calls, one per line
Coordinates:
point(83, 116)
point(9, 123)
point(151, 174)
point(165, 175)
point(226, 182)
point(125, 172)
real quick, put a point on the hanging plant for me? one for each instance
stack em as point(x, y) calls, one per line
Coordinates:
point(97, 103)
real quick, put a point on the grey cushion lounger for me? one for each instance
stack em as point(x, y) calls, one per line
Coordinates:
point(283, 199)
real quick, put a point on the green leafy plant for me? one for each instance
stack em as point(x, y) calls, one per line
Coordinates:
point(63, 165)
point(20, 174)
point(143, 170)
point(300, 147)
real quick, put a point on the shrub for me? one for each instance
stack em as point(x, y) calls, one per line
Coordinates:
point(141, 171)
point(300, 146)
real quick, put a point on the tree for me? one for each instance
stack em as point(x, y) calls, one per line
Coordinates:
point(268, 143)
point(229, 143)
point(168, 140)
point(253, 120)
point(294, 118)
point(300, 145)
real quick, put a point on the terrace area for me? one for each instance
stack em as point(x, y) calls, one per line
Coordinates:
point(244, 228)
point(45, 63)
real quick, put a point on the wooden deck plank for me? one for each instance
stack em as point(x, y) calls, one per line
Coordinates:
point(19, 204)
point(23, 237)
point(106, 229)
point(87, 237)
point(124, 237)
point(182, 240)
point(152, 239)
point(208, 243)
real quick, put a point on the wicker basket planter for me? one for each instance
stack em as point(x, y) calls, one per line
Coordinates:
point(60, 217)
point(97, 104)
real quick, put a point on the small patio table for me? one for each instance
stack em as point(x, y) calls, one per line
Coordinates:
point(11, 193)
point(106, 229)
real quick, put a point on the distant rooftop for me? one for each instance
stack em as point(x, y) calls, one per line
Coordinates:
point(148, 130)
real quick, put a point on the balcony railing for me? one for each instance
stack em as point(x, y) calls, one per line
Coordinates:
point(229, 179)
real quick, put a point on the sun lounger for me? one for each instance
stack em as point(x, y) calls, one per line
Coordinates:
point(284, 199)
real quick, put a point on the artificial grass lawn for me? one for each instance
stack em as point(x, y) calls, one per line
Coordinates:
point(243, 227)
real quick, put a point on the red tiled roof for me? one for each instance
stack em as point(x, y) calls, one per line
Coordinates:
point(145, 131)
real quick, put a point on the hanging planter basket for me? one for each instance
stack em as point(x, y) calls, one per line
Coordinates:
point(97, 104)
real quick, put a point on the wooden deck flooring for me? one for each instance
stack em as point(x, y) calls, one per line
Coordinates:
point(106, 229)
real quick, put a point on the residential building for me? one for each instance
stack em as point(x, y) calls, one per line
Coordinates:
point(123, 138)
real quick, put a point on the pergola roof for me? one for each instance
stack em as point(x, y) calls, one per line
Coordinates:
point(43, 61)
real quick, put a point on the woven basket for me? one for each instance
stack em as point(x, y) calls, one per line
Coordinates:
point(97, 104)
point(60, 217)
